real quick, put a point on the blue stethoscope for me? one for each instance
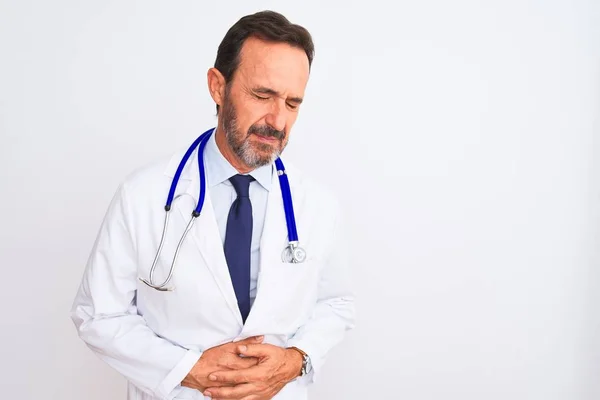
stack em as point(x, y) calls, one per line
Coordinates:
point(293, 253)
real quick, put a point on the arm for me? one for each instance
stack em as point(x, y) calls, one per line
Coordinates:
point(105, 314)
point(334, 312)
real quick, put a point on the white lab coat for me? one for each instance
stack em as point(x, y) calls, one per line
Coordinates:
point(154, 338)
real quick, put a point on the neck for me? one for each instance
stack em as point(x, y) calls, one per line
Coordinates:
point(228, 153)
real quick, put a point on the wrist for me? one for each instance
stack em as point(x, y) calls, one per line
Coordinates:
point(197, 378)
point(297, 364)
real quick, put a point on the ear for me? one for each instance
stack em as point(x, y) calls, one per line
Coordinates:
point(216, 85)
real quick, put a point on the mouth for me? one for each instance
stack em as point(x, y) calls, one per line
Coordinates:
point(266, 139)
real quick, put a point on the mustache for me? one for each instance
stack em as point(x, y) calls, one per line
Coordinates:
point(267, 131)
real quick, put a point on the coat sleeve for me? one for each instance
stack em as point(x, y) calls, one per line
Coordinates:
point(334, 313)
point(105, 314)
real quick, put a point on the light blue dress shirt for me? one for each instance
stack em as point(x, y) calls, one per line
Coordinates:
point(222, 195)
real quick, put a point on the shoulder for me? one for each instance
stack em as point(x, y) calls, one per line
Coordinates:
point(153, 174)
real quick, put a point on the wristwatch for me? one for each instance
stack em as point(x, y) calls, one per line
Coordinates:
point(306, 365)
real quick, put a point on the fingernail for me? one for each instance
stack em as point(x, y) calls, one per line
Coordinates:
point(212, 378)
point(243, 348)
point(207, 394)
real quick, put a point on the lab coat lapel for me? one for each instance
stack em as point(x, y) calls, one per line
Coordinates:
point(206, 237)
point(274, 234)
point(273, 241)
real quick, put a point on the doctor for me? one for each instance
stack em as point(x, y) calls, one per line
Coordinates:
point(227, 312)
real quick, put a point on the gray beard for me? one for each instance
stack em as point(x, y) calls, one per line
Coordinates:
point(242, 148)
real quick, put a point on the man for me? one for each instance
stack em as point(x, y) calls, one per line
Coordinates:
point(240, 322)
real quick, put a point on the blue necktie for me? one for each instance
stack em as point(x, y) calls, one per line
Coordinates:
point(238, 239)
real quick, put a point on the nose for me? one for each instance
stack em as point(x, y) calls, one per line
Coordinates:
point(276, 116)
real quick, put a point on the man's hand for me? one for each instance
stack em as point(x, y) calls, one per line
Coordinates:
point(276, 367)
point(223, 357)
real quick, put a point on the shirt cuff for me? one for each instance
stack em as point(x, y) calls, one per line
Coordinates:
point(167, 388)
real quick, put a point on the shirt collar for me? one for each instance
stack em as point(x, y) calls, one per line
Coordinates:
point(219, 170)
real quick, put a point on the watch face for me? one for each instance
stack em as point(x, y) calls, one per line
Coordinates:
point(307, 366)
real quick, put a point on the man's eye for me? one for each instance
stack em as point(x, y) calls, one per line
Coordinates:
point(292, 106)
point(260, 97)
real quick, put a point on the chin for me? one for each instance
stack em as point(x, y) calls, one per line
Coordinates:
point(265, 149)
point(258, 153)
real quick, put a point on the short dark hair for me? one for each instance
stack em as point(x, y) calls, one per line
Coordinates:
point(265, 25)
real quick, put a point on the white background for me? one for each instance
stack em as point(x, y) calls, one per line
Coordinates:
point(460, 136)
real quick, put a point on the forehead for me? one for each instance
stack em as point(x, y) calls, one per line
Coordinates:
point(278, 66)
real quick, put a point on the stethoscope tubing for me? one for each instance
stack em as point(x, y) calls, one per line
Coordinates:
point(200, 143)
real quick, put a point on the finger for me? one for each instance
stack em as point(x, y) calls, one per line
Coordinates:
point(229, 392)
point(243, 363)
point(233, 361)
point(257, 350)
point(239, 376)
point(251, 340)
point(244, 342)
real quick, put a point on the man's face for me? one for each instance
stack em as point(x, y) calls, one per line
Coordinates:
point(262, 100)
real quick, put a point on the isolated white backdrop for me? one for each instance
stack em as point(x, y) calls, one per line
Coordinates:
point(460, 136)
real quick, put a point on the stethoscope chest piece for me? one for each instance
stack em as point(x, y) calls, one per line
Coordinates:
point(293, 254)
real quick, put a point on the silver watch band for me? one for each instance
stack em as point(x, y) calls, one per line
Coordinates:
point(306, 365)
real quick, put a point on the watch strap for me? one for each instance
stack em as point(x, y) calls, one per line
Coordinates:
point(305, 360)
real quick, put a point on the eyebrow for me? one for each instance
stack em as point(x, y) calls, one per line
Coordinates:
point(271, 92)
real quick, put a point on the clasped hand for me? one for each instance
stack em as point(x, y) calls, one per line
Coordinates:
point(222, 374)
